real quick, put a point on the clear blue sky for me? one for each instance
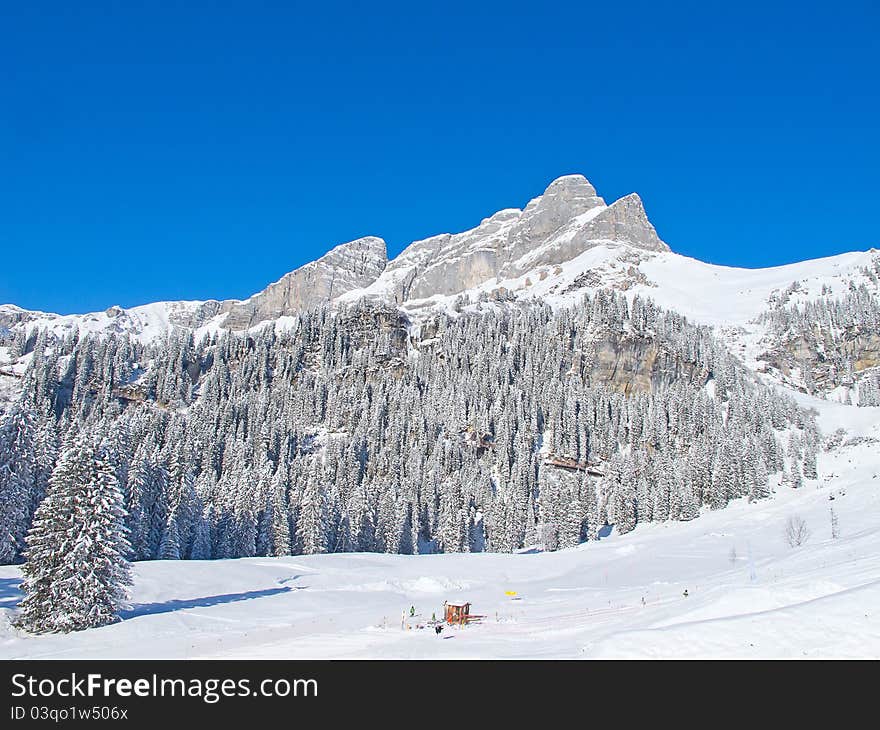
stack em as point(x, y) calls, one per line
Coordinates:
point(153, 151)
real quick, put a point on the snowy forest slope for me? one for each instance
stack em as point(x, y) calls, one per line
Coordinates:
point(750, 594)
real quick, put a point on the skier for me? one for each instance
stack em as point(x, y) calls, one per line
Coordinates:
point(437, 629)
point(412, 610)
point(685, 592)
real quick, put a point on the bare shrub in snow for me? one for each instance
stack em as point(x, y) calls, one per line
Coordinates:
point(796, 531)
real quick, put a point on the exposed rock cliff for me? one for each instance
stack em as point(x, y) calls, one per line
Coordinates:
point(353, 265)
point(568, 219)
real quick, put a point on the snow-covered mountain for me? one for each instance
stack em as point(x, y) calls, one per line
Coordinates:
point(562, 244)
point(554, 228)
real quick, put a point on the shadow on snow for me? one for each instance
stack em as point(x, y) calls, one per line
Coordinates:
point(147, 609)
point(10, 595)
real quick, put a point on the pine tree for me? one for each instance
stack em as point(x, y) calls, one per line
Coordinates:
point(572, 524)
point(625, 499)
point(76, 572)
point(796, 480)
point(280, 518)
point(201, 547)
point(810, 469)
point(312, 524)
point(169, 548)
point(530, 536)
point(591, 509)
point(760, 488)
point(18, 477)
point(723, 479)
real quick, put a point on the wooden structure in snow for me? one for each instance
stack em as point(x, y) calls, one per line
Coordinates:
point(459, 613)
point(564, 462)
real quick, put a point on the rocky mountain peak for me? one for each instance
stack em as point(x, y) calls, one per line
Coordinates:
point(349, 266)
point(625, 221)
point(369, 251)
point(557, 226)
point(564, 199)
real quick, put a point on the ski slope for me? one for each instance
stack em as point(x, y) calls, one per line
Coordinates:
point(766, 600)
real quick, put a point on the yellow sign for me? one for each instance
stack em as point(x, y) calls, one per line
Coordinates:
point(509, 593)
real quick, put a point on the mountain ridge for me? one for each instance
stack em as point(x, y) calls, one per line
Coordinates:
point(357, 265)
point(560, 244)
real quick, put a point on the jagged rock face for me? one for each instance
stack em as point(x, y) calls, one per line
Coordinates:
point(565, 221)
point(638, 365)
point(616, 360)
point(195, 317)
point(826, 359)
point(564, 199)
point(353, 265)
point(447, 263)
point(386, 324)
point(624, 221)
point(10, 316)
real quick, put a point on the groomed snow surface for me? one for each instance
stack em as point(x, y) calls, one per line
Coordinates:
point(749, 593)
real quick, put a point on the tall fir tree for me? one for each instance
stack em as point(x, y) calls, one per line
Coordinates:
point(76, 574)
point(18, 480)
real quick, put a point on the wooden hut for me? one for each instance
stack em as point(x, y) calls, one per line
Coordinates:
point(457, 613)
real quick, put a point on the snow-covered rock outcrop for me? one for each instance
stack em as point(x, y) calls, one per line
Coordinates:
point(352, 265)
point(568, 219)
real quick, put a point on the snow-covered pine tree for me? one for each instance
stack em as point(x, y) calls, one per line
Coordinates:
point(591, 508)
point(760, 488)
point(169, 548)
point(76, 574)
point(311, 529)
point(796, 480)
point(625, 498)
point(18, 467)
point(201, 547)
point(280, 526)
point(809, 466)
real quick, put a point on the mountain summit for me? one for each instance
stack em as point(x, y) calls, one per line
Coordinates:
point(567, 220)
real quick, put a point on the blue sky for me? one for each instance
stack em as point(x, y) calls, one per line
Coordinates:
point(153, 151)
